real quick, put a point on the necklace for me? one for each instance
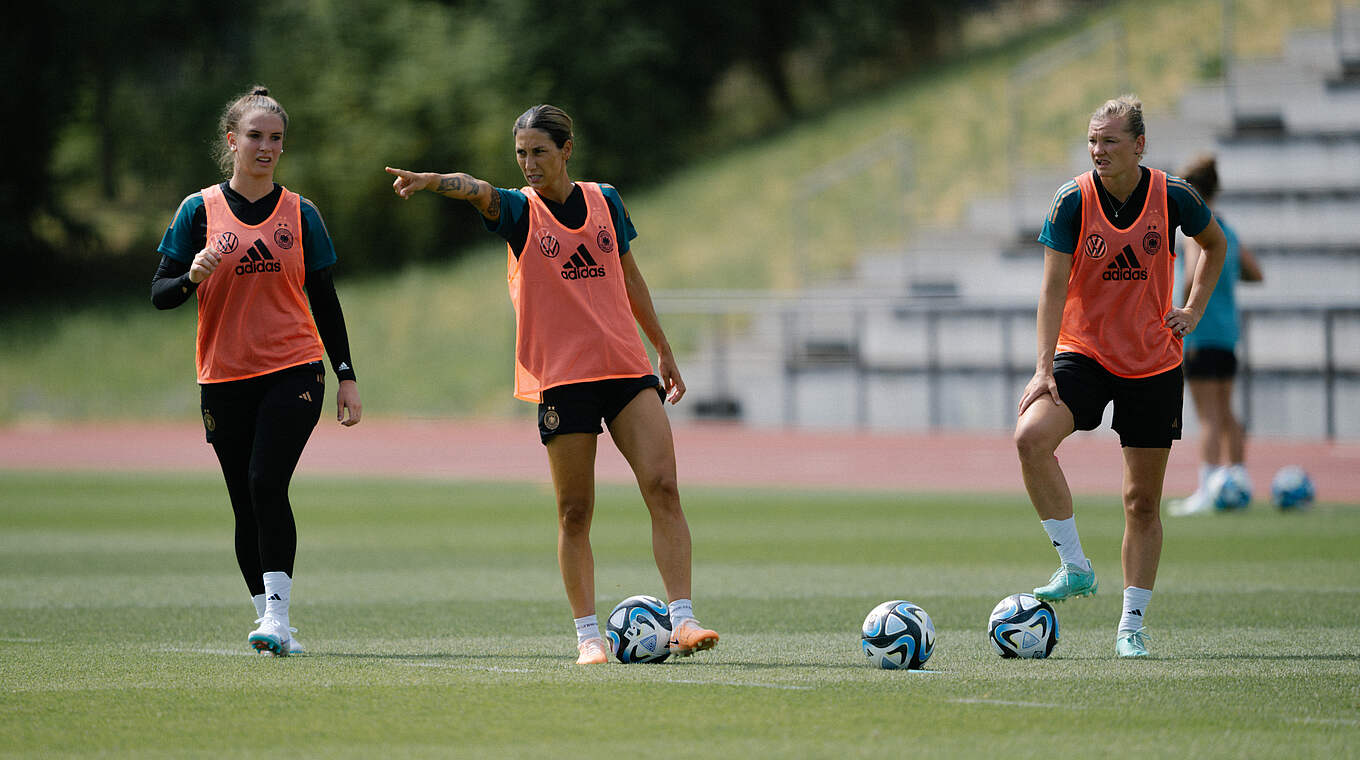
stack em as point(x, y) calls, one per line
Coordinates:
point(1111, 198)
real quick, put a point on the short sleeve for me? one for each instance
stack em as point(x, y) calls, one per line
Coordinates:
point(318, 250)
point(514, 216)
point(1063, 223)
point(624, 231)
point(178, 242)
point(1194, 212)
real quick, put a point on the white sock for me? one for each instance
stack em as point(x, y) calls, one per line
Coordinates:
point(1063, 534)
point(681, 610)
point(277, 588)
point(258, 599)
point(1205, 470)
point(1135, 606)
point(587, 628)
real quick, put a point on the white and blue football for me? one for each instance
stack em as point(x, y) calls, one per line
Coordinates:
point(1291, 488)
point(897, 635)
point(639, 630)
point(1022, 626)
point(1229, 488)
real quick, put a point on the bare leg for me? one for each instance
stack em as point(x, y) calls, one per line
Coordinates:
point(1234, 437)
point(1038, 432)
point(1144, 473)
point(1212, 405)
point(572, 459)
point(642, 433)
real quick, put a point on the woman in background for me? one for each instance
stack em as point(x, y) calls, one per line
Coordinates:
point(1210, 351)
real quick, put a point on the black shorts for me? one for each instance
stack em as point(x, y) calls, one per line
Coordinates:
point(292, 397)
point(1210, 363)
point(1147, 410)
point(579, 407)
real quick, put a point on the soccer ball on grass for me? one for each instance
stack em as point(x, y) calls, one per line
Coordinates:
point(1291, 488)
point(897, 635)
point(1023, 626)
point(1229, 488)
point(639, 630)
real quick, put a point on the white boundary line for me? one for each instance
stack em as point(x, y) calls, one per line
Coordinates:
point(1004, 702)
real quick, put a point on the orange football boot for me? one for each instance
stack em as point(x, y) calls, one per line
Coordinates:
point(593, 652)
point(690, 637)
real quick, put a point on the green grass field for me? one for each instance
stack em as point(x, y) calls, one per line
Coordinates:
point(437, 627)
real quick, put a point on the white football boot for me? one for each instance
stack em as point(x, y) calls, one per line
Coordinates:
point(273, 636)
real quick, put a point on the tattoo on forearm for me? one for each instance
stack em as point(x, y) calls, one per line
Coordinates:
point(451, 184)
point(493, 208)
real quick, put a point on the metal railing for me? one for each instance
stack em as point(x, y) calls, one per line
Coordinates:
point(1005, 351)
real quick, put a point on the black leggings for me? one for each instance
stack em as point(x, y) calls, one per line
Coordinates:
point(258, 428)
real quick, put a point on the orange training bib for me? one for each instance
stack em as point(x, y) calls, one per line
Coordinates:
point(253, 316)
point(573, 319)
point(1120, 287)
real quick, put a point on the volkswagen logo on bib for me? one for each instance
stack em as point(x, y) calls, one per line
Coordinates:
point(549, 245)
point(1095, 246)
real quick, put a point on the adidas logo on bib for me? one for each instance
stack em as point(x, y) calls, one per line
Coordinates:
point(258, 259)
point(1125, 267)
point(581, 266)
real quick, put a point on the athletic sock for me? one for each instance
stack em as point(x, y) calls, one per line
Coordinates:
point(681, 610)
point(258, 600)
point(1063, 534)
point(1205, 471)
point(1135, 606)
point(277, 588)
point(587, 628)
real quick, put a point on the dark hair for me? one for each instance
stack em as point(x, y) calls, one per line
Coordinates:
point(1202, 173)
point(550, 119)
point(256, 100)
point(1127, 107)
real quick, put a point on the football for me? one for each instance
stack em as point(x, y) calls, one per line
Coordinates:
point(1023, 626)
point(1291, 488)
point(1229, 488)
point(897, 635)
point(639, 630)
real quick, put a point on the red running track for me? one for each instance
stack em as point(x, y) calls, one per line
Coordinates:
point(707, 454)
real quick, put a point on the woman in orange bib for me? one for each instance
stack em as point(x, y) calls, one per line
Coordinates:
point(258, 259)
point(1108, 332)
point(579, 298)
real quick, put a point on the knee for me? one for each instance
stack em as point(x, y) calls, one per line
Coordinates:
point(1212, 419)
point(268, 484)
point(1031, 444)
point(1141, 506)
point(664, 487)
point(661, 494)
point(574, 515)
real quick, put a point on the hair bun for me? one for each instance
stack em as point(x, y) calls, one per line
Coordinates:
point(260, 91)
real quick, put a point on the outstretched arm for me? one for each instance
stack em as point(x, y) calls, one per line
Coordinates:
point(459, 186)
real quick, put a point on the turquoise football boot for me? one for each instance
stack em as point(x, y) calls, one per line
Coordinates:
point(273, 636)
point(1131, 643)
point(1069, 581)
